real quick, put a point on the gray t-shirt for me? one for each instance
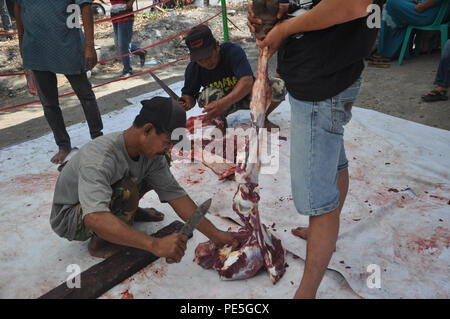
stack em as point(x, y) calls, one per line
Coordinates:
point(88, 176)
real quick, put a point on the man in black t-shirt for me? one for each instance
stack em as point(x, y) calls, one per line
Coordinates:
point(320, 58)
point(225, 74)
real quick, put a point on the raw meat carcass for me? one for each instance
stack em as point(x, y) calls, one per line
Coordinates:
point(217, 153)
point(241, 263)
point(257, 244)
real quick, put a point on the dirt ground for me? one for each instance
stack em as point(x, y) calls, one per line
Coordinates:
point(395, 91)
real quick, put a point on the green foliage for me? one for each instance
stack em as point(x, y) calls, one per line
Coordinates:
point(151, 15)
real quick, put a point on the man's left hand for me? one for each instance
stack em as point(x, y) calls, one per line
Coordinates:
point(419, 8)
point(213, 110)
point(222, 238)
point(90, 57)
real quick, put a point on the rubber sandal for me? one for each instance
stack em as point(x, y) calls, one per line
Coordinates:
point(378, 59)
point(377, 64)
point(437, 96)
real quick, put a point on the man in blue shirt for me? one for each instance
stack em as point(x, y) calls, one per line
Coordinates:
point(225, 73)
point(321, 58)
point(51, 43)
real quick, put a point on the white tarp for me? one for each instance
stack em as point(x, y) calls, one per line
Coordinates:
point(396, 217)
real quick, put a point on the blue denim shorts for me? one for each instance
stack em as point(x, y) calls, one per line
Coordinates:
point(317, 150)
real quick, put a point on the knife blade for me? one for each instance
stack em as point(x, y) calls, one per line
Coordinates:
point(163, 85)
point(194, 220)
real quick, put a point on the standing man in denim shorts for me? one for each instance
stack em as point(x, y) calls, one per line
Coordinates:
point(320, 58)
point(225, 74)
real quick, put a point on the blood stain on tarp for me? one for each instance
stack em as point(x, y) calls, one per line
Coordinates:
point(438, 197)
point(201, 170)
point(363, 275)
point(282, 138)
point(193, 182)
point(127, 295)
point(157, 271)
point(433, 245)
point(30, 183)
point(393, 190)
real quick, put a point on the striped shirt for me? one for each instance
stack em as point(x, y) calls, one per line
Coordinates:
point(119, 7)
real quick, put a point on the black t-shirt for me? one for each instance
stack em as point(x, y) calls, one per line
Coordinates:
point(320, 64)
point(232, 66)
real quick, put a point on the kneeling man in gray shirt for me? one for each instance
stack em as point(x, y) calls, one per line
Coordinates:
point(98, 190)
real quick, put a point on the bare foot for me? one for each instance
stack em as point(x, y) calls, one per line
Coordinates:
point(301, 232)
point(148, 215)
point(270, 125)
point(101, 248)
point(59, 157)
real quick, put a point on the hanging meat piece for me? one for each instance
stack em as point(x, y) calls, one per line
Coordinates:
point(258, 244)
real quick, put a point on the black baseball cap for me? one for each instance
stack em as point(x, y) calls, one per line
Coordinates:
point(200, 42)
point(164, 112)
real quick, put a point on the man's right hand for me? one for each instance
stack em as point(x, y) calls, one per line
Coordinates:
point(186, 102)
point(183, 103)
point(172, 246)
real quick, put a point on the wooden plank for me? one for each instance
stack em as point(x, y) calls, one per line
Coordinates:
point(103, 276)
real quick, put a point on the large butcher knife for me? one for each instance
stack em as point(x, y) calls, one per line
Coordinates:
point(193, 221)
point(163, 85)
